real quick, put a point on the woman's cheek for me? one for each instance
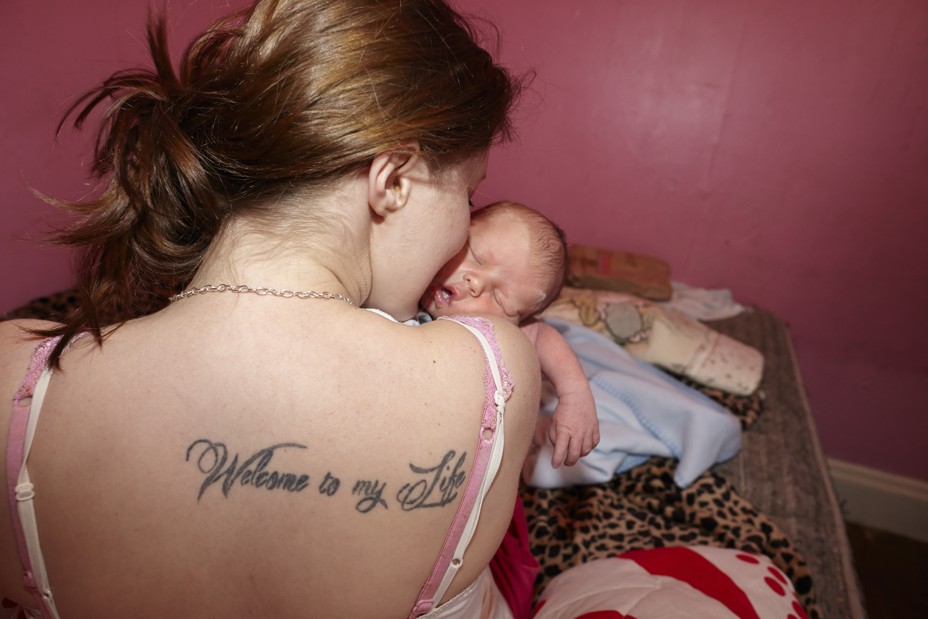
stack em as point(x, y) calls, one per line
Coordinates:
point(459, 232)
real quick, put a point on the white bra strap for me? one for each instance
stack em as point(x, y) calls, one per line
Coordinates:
point(25, 493)
point(496, 457)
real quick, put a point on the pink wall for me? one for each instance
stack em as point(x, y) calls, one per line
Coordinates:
point(778, 149)
point(51, 52)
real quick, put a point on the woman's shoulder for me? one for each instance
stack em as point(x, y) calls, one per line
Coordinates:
point(17, 343)
point(17, 340)
point(449, 330)
point(516, 350)
point(495, 328)
point(448, 352)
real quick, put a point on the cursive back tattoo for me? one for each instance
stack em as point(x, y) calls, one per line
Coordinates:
point(430, 486)
point(212, 458)
point(437, 486)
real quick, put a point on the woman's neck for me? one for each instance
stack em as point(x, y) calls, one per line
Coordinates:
point(243, 256)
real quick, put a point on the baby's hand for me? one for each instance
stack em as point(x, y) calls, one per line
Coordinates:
point(574, 429)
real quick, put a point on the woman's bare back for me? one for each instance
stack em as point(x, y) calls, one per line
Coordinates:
point(235, 467)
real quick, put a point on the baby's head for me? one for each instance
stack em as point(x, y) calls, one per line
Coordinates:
point(513, 266)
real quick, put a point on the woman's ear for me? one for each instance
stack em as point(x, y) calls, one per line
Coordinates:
point(389, 180)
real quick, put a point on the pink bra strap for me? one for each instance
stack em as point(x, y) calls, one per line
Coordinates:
point(15, 460)
point(497, 392)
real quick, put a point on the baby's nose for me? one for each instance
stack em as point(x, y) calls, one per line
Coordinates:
point(474, 283)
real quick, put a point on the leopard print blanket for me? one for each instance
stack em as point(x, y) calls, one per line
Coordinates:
point(643, 508)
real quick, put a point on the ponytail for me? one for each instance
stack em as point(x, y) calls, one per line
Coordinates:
point(144, 236)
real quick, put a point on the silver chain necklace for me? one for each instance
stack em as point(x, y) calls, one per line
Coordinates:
point(243, 289)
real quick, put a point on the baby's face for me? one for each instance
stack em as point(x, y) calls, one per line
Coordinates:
point(492, 274)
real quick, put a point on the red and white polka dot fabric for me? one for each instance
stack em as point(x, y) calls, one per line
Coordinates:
point(665, 583)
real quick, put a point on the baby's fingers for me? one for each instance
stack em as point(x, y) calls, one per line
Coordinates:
point(574, 451)
point(560, 439)
point(567, 448)
point(590, 441)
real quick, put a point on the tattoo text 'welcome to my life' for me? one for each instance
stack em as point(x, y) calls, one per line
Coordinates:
point(428, 486)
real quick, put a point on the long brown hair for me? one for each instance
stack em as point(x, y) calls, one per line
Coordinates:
point(283, 97)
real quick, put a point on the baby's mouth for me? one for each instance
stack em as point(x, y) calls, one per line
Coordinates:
point(445, 294)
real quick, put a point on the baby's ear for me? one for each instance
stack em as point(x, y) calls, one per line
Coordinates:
point(389, 183)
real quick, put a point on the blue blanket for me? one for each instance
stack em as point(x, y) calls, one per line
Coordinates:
point(642, 412)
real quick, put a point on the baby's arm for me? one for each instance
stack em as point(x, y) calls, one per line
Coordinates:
point(574, 429)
